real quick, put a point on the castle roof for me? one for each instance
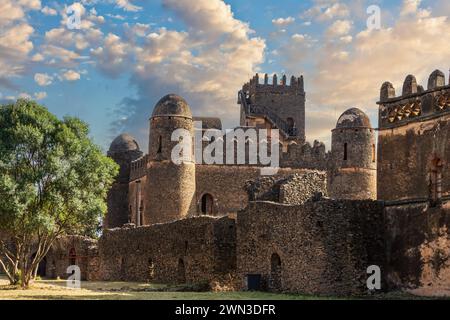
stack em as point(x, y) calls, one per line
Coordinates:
point(353, 118)
point(124, 142)
point(172, 105)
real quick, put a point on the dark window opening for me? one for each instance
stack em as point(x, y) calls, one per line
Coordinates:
point(275, 272)
point(141, 213)
point(373, 152)
point(436, 182)
point(345, 151)
point(207, 204)
point(181, 272)
point(159, 145)
point(72, 257)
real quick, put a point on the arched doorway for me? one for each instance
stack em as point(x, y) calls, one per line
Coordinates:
point(41, 270)
point(72, 257)
point(436, 181)
point(207, 204)
point(275, 273)
point(181, 272)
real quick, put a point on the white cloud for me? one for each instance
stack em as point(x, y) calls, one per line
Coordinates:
point(49, 11)
point(339, 28)
point(43, 79)
point(127, 5)
point(71, 75)
point(281, 22)
point(327, 10)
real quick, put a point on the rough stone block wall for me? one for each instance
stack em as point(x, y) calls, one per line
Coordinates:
point(190, 250)
point(418, 246)
point(85, 255)
point(226, 184)
point(293, 189)
point(324, 246)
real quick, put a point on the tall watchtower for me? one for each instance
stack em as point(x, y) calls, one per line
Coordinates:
point(275, 105)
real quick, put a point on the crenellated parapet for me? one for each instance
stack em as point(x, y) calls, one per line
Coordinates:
point(276, 84)
point(306, 156)
point(138, 168)
point(415, 103)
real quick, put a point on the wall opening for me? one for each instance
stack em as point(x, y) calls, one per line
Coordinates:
point(41, 270)
point(345, 151)
point(181, 272)
point(373, 152)
point(291, 124)
point(141, 213)
point(436, 182)
point(207, 204)
point(159, 145)
point(72, 257)
point(275, 273)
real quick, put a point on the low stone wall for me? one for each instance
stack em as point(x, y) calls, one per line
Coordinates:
point(322, 247)
point(418, 246)
point(191, 250)
point(73, 250)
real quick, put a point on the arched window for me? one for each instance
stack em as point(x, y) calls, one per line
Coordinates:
point(275, 272)
point(345, 151)
point(207, 204)
point(291, 124)
point(436, 182)
point(159, 144)
point(181, 272)
point(373, 153)
point(72, 257)
point(141, 213)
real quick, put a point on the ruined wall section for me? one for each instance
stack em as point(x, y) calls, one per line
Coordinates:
point(324, 247)
point(189, 250)
point(226, 185)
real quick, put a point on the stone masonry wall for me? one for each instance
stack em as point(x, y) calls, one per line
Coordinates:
point(191, 250)
point(418, 246)
point(325, 246)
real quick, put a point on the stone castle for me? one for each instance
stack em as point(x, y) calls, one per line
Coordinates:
point(379, 197)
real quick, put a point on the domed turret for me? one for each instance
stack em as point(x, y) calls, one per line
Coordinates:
point(353, 118)
point(123, 150)
point(352, 172)
point(124, 143)
point(170, 186)
point(172, 105)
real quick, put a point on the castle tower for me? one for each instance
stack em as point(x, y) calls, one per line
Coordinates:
point(170, 187)
point(352, 171)
point(123, 150)
point(278, 105)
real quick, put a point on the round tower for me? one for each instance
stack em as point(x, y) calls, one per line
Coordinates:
point(352, 171)
point(123, 150)
point(170, 186)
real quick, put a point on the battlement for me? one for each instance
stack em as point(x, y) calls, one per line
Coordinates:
point(274, 84)
point(415, 102)
point(139, 168)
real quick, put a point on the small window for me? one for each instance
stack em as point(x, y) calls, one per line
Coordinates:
point(345, 151)
point(436, 182)
point(373, 153)
point(207, 204)
point(159, 145)
point(72, 257)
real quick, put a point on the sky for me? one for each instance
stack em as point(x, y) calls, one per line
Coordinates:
point(124, 55)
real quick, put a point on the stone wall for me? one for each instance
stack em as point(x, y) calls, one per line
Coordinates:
point(324, 246)
point(69, 250)
point(190, 250)
point(293, 189)
point(418, 246)
point(226, 184)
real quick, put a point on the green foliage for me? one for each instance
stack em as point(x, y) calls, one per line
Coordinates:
point(53, 179)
